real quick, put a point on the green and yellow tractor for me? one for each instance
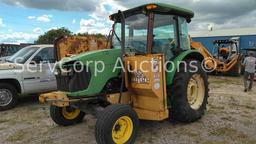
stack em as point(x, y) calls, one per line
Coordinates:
point(148, 73)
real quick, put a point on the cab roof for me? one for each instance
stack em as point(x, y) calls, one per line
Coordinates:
point(160, 8)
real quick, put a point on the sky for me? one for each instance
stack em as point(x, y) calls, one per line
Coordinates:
point(22, 21)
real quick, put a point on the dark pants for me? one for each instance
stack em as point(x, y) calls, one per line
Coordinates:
point(248, 77)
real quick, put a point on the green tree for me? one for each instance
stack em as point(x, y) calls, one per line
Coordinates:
point(97, 35)
point(50, 36)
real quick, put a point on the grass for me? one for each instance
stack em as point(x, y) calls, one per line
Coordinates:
point(224, 80)
point(1, 128)
point(228, 118)
point(229, 132)
point(47, 141)
point(17, 136)
point(224, 131)
point(250, 107)
point(3, 120)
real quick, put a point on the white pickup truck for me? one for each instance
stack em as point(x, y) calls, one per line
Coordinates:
point(29, 71)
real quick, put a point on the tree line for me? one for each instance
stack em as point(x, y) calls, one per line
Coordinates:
point(50, 36)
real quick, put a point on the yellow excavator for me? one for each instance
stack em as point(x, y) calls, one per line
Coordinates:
point(227, 60)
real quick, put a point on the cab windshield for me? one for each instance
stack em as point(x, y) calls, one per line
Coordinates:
point(23, 55)
point(136, 30)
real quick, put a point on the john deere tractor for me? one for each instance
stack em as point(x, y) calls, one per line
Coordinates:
point(149, 73)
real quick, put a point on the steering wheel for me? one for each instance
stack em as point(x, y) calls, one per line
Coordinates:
point(132, 50)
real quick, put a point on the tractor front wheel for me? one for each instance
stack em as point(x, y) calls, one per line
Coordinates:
point(118, 124)
point(66, 116)
point(188, 94)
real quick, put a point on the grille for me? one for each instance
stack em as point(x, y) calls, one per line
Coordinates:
point(76, 81)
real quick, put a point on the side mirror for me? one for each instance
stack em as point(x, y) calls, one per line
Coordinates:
point(37, 59)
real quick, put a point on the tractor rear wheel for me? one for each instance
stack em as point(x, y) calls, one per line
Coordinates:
point(236, 70)
point(118, 124)
point(188, 94)
point(66, 116)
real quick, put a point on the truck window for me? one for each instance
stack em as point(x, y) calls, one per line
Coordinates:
point(23, 55)
point(46, 55)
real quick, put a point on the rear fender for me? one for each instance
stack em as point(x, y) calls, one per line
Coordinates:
point(172, 66)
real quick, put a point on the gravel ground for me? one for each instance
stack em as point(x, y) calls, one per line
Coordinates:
point(230, 118)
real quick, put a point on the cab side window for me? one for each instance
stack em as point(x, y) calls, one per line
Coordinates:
point(184, 36)
point(164, 35)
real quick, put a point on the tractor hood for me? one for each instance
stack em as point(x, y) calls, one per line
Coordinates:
point(107, 56)
point(102, 67)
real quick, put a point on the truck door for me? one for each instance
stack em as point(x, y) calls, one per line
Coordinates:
point(40, 77)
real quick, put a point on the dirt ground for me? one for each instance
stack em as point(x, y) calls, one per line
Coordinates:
point(230, 118)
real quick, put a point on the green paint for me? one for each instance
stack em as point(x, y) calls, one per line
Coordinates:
point(173, 68)
point(161, 8)
point(110, 56)
point(98, 79)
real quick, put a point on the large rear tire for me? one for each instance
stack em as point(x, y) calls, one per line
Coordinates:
point(188, 94)
point(8, 96)
point(66, 116)
point(118, 124)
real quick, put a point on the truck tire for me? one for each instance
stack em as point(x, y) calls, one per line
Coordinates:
point(66, 116)
point(118, 123)
point(188, 94)
point(236, 70)
point(8, 96)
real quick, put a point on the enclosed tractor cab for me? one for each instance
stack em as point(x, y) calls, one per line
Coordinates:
point(226, 58)
point(226, 49)
point(229, 56)
point(150, 74)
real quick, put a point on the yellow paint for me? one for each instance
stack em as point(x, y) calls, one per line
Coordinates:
point(196, 91)
point(74, 45)
point(215, 63)
point(70, 114)
point(59, 99)
point(114, 98)
point(146, 86)
point(122, 130)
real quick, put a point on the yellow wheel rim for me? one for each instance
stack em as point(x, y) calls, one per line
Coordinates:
point(122, 130)
point(70, 113)
point(196, 91)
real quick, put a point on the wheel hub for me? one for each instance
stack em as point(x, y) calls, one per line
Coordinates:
point(70, 113)
point(5, 97)
point(195, 91)
point(122, 130)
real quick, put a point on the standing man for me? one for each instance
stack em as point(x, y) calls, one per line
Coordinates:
point(250, 64)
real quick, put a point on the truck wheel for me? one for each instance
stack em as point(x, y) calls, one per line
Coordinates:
point(8, 96)
point(189, 93)
point(118, 124)
point(66, 116)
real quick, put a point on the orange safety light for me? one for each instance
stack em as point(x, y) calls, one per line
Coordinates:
point(151, 6)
